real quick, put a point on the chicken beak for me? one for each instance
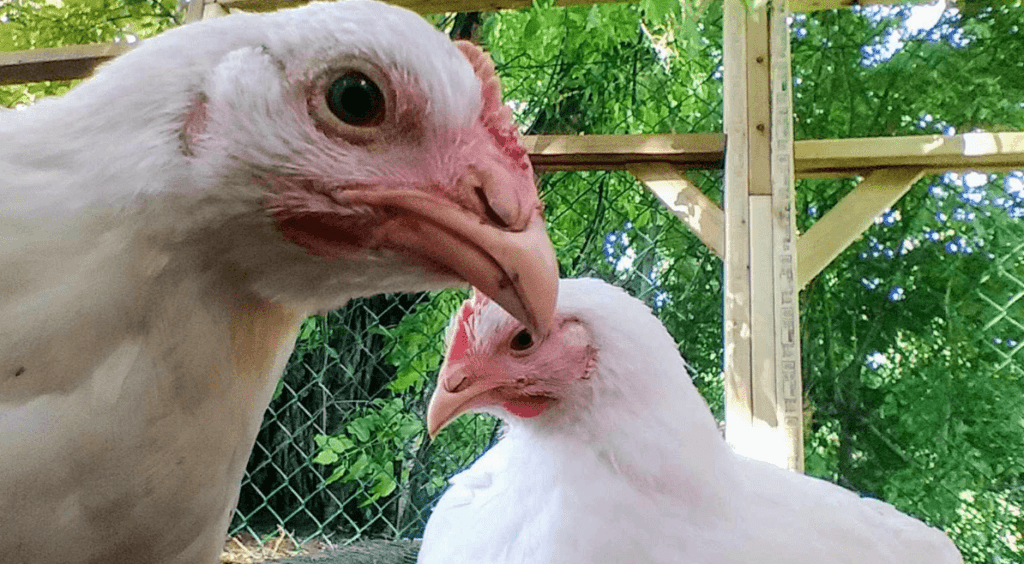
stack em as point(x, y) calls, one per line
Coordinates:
point(514, 267)
point(456, 393)
point(525, 282)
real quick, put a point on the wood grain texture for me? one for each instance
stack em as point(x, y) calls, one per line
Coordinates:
point(933, 153)
point(736, 276)
point(758, 86)
point(762, 324)
point(785, 298)
point(194, 11)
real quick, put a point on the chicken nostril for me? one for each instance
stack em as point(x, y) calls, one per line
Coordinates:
point(462, 384)
point(489, 210)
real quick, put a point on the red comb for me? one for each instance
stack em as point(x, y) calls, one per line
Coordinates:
point(460, 340)
point(465, 326)
point(480, 300)
point(494, 115)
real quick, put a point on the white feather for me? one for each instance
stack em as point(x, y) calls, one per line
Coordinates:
point(149, 302)
point(639, 474)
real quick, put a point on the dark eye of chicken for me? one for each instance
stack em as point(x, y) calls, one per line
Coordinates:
point(522, 341)
point(356, 100)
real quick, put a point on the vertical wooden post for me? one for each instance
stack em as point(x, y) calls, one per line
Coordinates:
point(194, 11)
point(203, 10)
point(763, 391)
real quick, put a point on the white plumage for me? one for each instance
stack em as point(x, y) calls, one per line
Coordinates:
point(614, 458)
point(167, 225)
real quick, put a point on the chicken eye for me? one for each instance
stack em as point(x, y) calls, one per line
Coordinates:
point(522, 341)
point(356, 100)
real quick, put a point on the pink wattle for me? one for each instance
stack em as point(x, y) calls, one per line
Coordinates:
point(527, 407)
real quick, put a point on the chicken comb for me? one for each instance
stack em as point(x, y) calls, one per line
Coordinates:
point(480, 300)
point(461, 337)
point(464, 325)
point(494, 115)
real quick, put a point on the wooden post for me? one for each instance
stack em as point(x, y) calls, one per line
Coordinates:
point(763, 395)
point(194, 11)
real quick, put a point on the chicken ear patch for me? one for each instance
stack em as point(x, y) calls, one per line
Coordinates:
point(494, 115)
point(194, 126)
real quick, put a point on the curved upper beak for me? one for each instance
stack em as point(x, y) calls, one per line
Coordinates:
point(521, 274)
point(513, 265)
point(456, 393)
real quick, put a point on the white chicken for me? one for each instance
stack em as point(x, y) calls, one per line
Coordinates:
point(167, 225)
point(611, 456)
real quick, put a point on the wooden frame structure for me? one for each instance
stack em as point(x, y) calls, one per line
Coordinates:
point(766, 261)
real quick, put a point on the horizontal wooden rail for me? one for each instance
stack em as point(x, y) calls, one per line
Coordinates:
point(56, 63)
point(833, 158)
point(615, 152)
point(932, 153)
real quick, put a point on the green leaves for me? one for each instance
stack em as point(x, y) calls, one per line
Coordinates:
point(373, 443)
point(415, 344)
point(533, 25)
point(659, 11)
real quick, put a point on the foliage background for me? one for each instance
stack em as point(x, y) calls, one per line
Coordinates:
point(912, 338)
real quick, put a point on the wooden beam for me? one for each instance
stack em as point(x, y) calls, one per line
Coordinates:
point(763, 440)
point(831, 158)
point(763, 395)
point(758, 106)
point(813, 5)
point(788, 393)
point(615, 152)
point(739, 407)
point(848, 219)
point(685, 200)
point(933, 153)
point(57, 63)
point(194, 11)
